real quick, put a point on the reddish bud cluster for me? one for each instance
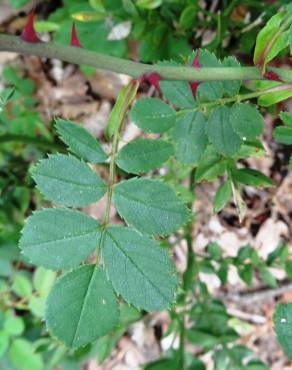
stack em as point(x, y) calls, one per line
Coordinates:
point(29, 34)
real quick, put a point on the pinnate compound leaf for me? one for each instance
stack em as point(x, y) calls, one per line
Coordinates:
point(282, 319)
point(143, 155)
point(81, 306)
point(251, 177)
point(129, 262)
point(246, 120)
point(59, 238)
point(153, 115)
point(65, 180)
point(149, 205)
point(190, 137)
point(220, 132)
point(80, 141)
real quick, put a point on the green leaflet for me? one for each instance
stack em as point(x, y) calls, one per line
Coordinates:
point(283, 134)
point(149, 205)
point(213, 90)
point(231, 88)
point(153, 115)
point(143, 155)
point(222, 196)
point(129, 262)
point(65, 180)
point(81, 306)
point(178, 93)
point(282, 319)
point(190, 137)
point(246, 120)
point(23, 356)
point(210, 166)
point(286, 118)
point(220, 132)
point(58, 238)
point(251, 177)
point(80, 141)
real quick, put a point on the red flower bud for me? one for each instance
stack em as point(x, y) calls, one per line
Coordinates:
point(29, 34)
point(74, 38)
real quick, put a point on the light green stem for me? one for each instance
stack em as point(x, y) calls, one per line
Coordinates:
point(134, 69)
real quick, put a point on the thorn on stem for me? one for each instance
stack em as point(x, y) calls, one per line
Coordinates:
point(74, 38)
point(29, 34)
point(196, 64)
point(270, 75)
point(153, 78)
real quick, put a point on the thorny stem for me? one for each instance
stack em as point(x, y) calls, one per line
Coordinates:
point(134, 69)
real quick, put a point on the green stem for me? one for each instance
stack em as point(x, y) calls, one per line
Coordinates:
point(237, 98)
point(131, 93)
point(188, 273)
point(31, 140)
point(134, 69)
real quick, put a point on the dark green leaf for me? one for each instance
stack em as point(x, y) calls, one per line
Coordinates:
point(66, 180)
point(150, 206)
point(282, 319)
point(129, 262)
point(190, 137)
point(286, 118)
point(81, 306)
point(251, 177)
point(59, 238)
point(246, 120)
point(80, 141)
point(153, 115)
point(143, 155)
point(268, 277)
point(222, 196)
point(221, 133)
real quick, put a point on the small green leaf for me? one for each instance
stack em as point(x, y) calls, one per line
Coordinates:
point(23, 356)
point(153, 115)
point(80, 141)
point(22, 286)
point(66, 180)
point(222, 196)
point(14, 326)
point(190, 137)
point(286, 118)
point(188, 16)
point(220, 132)
point(178, 93)
point(149, 205)
point(251, 177)
point(81, 306)
point(148, 4)
point(59, 238)
point(128, 258)
point(272, 98)
point(282, 319)
point(246, 120)
point(144, 155)
point(210, 166)
point(4, 342)
point(267, 277)
point(43, 280)
point(283, 134)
